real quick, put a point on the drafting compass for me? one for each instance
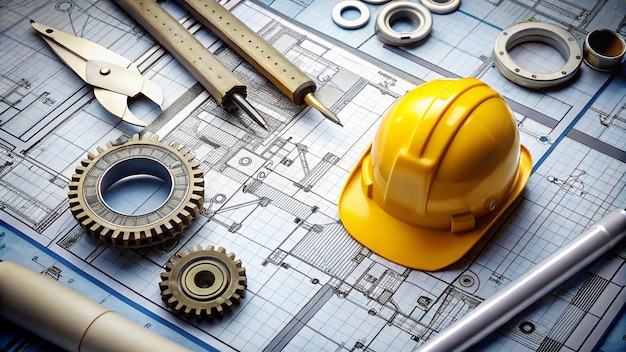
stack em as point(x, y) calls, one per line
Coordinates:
point(113, 77)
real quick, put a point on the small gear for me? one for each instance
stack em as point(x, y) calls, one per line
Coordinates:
point(169, 162)
point(203, 283)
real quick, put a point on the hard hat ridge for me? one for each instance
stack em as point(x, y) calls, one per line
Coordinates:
point(445, 160)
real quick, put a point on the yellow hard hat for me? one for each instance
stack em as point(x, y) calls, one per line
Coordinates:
point(444, 165)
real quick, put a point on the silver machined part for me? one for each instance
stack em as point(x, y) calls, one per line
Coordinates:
point(603, 50)
point(390, 13)
point(542, 32)
point(171, 163)
point(351, 5)
point(441, 7)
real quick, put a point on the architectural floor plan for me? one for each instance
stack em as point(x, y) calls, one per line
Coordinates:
point(271, 196)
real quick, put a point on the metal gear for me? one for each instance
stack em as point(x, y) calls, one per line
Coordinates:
point(169, 162)
point(203, 283)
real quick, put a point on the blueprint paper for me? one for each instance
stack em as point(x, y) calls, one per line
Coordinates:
point(271, 197)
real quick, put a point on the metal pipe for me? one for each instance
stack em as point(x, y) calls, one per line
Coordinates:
point(521, 293)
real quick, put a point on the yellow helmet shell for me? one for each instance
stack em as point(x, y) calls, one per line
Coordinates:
point(445, 163)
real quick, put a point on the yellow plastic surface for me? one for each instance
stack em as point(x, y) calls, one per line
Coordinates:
point(444, 165)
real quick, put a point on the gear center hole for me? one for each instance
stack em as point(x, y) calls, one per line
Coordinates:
point(136, 186)
point(204, 279)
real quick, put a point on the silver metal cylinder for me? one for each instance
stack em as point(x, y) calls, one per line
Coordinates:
point(603, 49)
point(522, 292)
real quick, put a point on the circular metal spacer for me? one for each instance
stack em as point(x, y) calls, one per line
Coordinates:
point(542, 32)
point(441, 7)
point(351, 5)
point(603, 50)
point(413, 12)
point(203, 283)
point(174, 165)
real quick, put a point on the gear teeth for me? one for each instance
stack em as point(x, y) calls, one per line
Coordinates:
point(194, 249)
point(234, 299)
point(134, 231)
point(175, 293)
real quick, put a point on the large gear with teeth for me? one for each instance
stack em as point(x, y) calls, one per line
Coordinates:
point(171, 163)
point(203, 283)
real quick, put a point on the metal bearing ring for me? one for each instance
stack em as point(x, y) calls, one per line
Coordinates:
point(393, 11)
point(349, 5)
point(543, 32)
point(441, 7)
point(603, 49)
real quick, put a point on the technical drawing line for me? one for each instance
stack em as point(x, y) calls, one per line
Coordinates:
point(532, 114)
point(597, 144)
point(479, 19)
point(305, 314)
point(571, 125)
point(574, 313)
point(421, 62)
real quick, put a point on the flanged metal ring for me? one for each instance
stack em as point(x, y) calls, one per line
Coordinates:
point(603, 49)
point(543, 32)
point(393, 11)
point(441, 7)
point(359, 22)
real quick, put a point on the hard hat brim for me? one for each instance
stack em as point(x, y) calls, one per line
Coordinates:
point(409, 245)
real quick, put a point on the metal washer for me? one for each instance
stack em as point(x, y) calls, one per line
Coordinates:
point(441, 7)
point(414, 12)
point(543, 32)
point(348, 5)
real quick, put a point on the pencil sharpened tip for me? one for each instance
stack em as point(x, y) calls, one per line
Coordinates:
point(312, 100)
point(245, 105)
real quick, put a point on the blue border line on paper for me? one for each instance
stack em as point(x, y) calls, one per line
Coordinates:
point(111, 291)
point(569, 127)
